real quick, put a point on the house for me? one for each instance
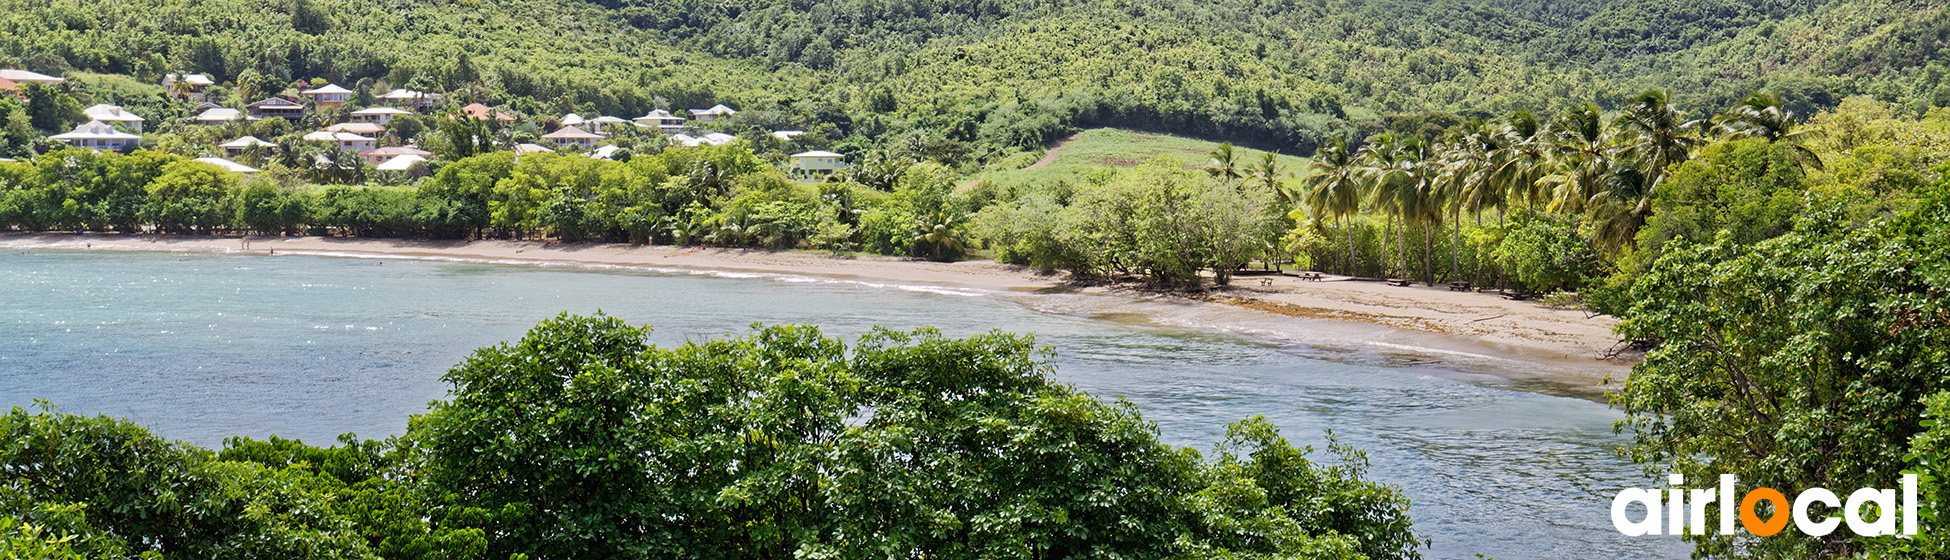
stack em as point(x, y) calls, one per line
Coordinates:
point(573, 119)
point(604, 152)
point(329, 96)
point(714, 114)
point(390, 153)
point(364, 128)
point(661, 120)
point(815, 165)
point(787, 135)
point(218, 115)
point(276, 107)
point(193, 85)
point(481, 112)
point(345, 140)
point(401, 163)
point(410, 99)
point(25, 77)
point(573, 135)
point(525, 149)
point(236, 147)
point(377, 115)
point(596, 124)
point(228, 165)
point(98, 135)
point(115, 116)
point(712, 139)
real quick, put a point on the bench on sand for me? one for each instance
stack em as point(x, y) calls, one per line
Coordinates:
point(1461, 286)
point(1399, 281)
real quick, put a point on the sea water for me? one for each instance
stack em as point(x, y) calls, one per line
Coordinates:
point(198, 347)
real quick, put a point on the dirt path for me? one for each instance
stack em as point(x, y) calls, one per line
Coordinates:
point(1050, 155)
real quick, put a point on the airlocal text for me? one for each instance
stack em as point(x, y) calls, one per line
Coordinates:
point(1684, 510)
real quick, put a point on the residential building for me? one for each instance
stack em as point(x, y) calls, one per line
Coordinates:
point(364, 128)
point(392, 152)
point(114, 115)
point(525, 149)
point(573, 135)
point(410, 99)
point(236, 147)
point(401, 163)
point(815, 165)
point(596, 124)
point(192, 88)
point(276, 107)
point(98, 135)
point(714, 114)
point(377, 115)
point(661, 120)
point(481, 112)
point(25, 77)
point(344, 140)
point(218, 115)
point(329, 96)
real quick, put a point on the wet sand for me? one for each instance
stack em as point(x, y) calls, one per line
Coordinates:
point(1568, 344)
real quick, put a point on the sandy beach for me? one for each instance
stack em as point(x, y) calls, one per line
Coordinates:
point(1568, 344)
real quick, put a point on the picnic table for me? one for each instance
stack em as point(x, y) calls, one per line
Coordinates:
point(1309, 276)
point(1399, 281)
point(1461, 286)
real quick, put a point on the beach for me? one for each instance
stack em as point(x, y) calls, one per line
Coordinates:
point(1568, 346)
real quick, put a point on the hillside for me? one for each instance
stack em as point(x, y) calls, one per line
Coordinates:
point(971, 80)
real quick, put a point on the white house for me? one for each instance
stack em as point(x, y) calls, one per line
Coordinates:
point(377, 115)
point(403, 97)
point(596, 124)
point(604, 152)
point(400, 163)
point(390, 153)
point(25, 77)
point(329, 96)
point(714, 114)
point(712, 139)
point(573, 135)
point(345, 140)
point(661, 120)
point(237, 147)
point(525, 149)
point(114, 115)
point(573, 119)
point(276, 107)
point(218, 115)
point(363, 128)
point(787, 135)
point(98, 135)
point(815, 165)
point(228, 165)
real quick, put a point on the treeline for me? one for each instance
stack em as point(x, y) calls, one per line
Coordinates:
point(582, 441)
point(713, 195)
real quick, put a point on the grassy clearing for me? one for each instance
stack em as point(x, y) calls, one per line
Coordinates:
point(1098, 149)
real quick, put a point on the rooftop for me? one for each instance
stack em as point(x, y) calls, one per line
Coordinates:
point(96, 130)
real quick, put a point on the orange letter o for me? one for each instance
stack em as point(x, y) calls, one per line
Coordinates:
point(1752, 522)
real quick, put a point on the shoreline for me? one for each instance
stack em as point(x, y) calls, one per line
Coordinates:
point(1564, 347)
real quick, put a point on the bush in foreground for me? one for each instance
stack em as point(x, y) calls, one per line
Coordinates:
point(581, 440)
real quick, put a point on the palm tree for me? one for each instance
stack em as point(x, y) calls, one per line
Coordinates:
point(1224, 163)
point(1653, 137)
point(1270, 175)
point(1383, 180)
point(1656, 135)
point(1578, 161)
point(1335, 189)
point(1522, 160)
point(1761, 116)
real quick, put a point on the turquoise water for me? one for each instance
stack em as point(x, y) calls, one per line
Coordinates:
point(198, 347)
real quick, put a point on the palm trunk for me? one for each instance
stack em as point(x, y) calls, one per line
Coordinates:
point(1348, 226)
point(1401, 246)
point(1455, 248)
point(1387, 229)
point(1428, 263)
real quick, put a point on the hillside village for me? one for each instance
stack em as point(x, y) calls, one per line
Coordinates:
point(383, 134)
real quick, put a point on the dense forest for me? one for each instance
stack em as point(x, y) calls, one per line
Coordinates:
point(975, 79)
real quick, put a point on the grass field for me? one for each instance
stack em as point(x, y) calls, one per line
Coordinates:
point(1101, 148)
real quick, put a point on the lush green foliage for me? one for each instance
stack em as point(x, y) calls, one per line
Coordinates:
point(583, 441)
point(1794, 362)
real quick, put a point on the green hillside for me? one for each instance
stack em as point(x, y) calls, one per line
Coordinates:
point(1092, 150)
point(965, 80)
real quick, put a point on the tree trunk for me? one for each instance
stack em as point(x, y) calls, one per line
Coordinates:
point(1455, 249)
point(1387, 229)
point(1349, 227)
point(1428, 264)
